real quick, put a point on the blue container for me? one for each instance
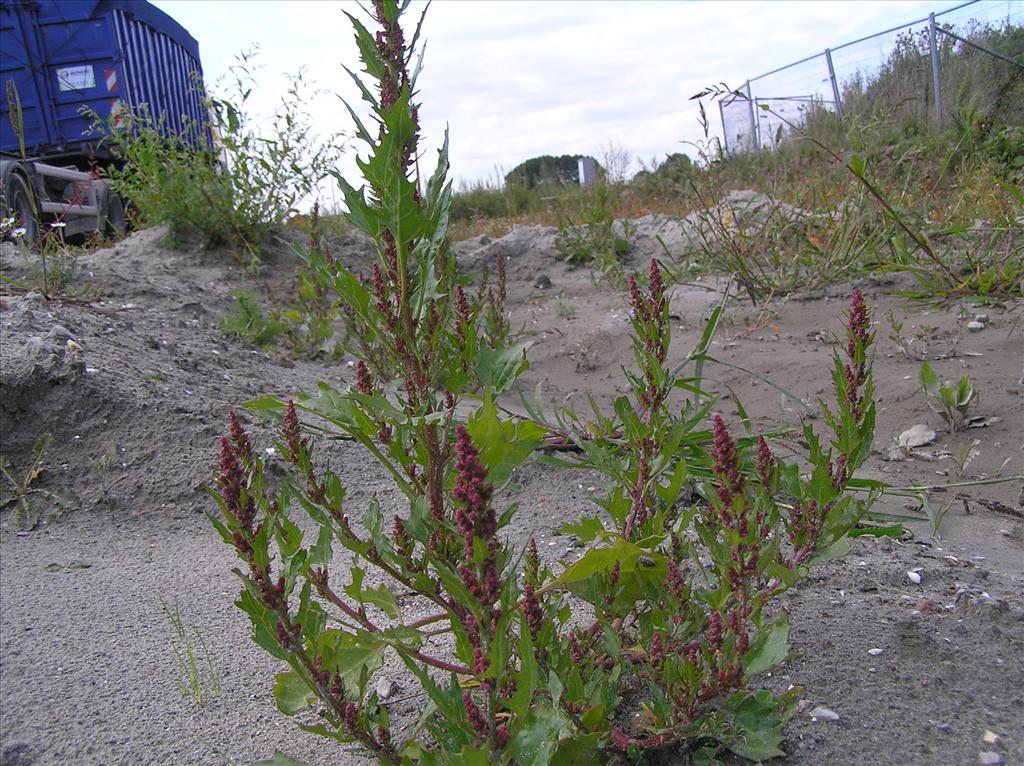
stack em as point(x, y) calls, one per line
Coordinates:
point(63, 55)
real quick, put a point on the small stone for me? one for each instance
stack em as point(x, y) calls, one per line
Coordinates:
point(989, 758)
point(821, 713)
point(914, 577)
point(983, 318)
point(386, 689)
point(975, 326)
point(874, 652)
point(990, 738)
point(542, 282)
point(916, 436)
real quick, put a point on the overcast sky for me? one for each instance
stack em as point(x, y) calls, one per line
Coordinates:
point(518, 79)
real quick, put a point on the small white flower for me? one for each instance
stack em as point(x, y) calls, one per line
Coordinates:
point(19, 232)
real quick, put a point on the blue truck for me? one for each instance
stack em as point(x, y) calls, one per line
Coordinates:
point(60, 60)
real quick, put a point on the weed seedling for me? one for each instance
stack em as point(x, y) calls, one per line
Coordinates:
point(951, 401)
point(564, 308)
point(199, 680)
point(249, 322)
point(19, 490)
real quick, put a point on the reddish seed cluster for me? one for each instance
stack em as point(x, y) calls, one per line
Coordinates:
point(476, 718)
point(674, 580)
point(298, 453)
point(613, 574)
point(636, 300)
point(532, 563)
point(575, 650)
point(475, 518)
point(727, 469)
point(858, 338)
point(765, 463)
point(403, 544)
point(462, 311)
point(232, 483)
point(364, 383)
point(532, 610)
point(292, 432)
point(714, 631)
point(240, 440)
point(657, 653)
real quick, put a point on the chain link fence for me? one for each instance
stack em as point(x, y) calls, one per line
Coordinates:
point(952, 68)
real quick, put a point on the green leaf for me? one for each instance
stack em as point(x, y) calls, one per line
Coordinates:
point(770, 648)
point(471, 756)
point(758, 719)
point(349, 654)
point(528, 675)
point(504, 445)
point(498, 368)
point(537, 741)
point(836, 550)
point(579, 749)
point(586, 529)
point(383, 599)
point(292, 693)
point(929, 380)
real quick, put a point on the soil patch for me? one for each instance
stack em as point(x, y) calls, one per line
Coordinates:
point(135, 389)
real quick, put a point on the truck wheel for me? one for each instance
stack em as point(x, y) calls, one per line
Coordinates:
point(115, 221)
point(19, 204)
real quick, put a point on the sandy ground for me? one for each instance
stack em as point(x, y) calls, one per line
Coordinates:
point(87, 674)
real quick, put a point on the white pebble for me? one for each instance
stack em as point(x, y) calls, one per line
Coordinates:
point(824, 714)
point(914, 577)
point(874, 652)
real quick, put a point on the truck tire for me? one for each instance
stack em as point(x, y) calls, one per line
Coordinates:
point(19, 203)
point(115, 225)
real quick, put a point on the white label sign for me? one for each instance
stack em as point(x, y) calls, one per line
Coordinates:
point(76, 78)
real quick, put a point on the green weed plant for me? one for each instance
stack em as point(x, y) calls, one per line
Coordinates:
point(951, 401)
point(234, 194)
point(666, 619)
point(192, 656)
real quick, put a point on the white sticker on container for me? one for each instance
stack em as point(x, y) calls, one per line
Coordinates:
point(76, 78)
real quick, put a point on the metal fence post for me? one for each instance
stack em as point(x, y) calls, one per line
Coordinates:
point(754, 139)
point(835, 85)
point(935, 70)
point(725, 131)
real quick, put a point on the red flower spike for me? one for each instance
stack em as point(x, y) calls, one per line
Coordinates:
point(476, 718)
point(462, 312)
point(364, 383)
point(714, 631)
point(233, 481)
point(532, 610)
point(240, 440)
point(726, 467)
point(657, 653)
point(474, 516)
point(291, 432)
point(656, 288)
point(637, 302)
point(765, 463)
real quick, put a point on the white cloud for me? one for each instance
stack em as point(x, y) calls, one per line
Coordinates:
point(518, 79)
